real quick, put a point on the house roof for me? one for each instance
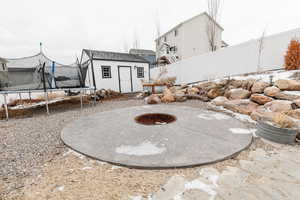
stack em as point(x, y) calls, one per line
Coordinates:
point(186, 21)
point(142, 52)
point(114, 56)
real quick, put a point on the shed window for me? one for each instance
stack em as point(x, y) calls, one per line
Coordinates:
point(106, 71)
point(140, 72)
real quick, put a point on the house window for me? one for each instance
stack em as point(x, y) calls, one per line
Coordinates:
point(140, 72)
point(165, 39)
point(106, 71)
point(3, 66)
point(175, 33)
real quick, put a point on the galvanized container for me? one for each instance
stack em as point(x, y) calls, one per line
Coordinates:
point(275, 134)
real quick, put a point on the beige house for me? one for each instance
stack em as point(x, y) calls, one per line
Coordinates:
point(189, 38)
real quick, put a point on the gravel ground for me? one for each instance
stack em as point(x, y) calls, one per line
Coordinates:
point(27, 144)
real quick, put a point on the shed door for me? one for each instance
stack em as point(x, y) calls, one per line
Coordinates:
point(125, 79)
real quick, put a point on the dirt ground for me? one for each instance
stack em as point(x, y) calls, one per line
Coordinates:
point(72, 176)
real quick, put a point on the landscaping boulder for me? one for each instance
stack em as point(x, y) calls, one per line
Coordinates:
point(290, 85)
point(239, 94)
point(219, 101)
point(297, 102)
point(279, 106)
point(247, 84)
point(215, 92)
point(243, 106)
point(180, 97)
point(261, 113)
point(272, 91)
point(193, 90)
point(168, 97)
point(153, 99)
point(286, 96)
point(294, 113)
point(206, 86)
point(237, 83)
point(259, 87)
point(260, 99)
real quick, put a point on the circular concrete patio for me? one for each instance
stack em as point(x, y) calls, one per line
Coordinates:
point(197, 137)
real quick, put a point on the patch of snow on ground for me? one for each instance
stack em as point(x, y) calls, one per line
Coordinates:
point(241, 117)
point(70, 151)
point(61, 188)
point(297, 93)
point(277, 75)
point(213, 116)
point(242, 131)
point(86, 168)
point(196, 184)
point(144, 149)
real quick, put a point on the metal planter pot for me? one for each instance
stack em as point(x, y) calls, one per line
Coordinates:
point(275, 134)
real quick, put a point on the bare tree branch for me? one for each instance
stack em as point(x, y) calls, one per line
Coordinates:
point(213, 10)
point(136, 41)
point(260, 49)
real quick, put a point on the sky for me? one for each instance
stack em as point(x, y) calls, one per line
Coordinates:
point(65, 27)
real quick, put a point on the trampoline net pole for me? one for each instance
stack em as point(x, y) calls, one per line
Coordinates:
point(6, 107)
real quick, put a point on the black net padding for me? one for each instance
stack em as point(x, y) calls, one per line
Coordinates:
point(27, 74)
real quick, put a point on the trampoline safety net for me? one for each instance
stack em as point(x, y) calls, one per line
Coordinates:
point(39, 72)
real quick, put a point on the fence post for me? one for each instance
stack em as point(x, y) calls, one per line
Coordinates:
point(45, 90)
point(81, 102)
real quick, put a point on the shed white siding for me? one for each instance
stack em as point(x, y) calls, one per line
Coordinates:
point(114, 82)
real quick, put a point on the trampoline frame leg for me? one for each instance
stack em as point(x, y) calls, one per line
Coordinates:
point(47, 103)
point(6, 107)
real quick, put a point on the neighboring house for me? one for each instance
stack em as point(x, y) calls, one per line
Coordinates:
point(3, 63)
point(149, 55)
point(121, 72)
point(188, 39)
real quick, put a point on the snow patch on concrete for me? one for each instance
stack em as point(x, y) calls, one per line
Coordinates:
point(144, 149)
point(242, 131)
point(213, 116)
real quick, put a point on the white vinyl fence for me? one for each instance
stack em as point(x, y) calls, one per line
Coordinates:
point(233, 60)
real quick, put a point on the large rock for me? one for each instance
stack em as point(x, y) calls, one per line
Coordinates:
point(290, 85)
point(168, 97)
point(297, 102)
point(243, 106)
point(153, 99)
point(286, 96)
point(179, 96)
point(279, 106)
point(193, 90)
point(219, 101)
point(261, 113)
point(260, 99)
point(206, 86)
point(259, 87)
point(272, 91)
point(215, 92)
point(237, 83)
point(247, 84)
point(239, 94)
point(294, 114)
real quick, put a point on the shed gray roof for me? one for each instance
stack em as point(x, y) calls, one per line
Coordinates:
point(142, 52)
point(114, 56)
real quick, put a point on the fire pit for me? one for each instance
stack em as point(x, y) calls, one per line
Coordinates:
point(155, 119)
